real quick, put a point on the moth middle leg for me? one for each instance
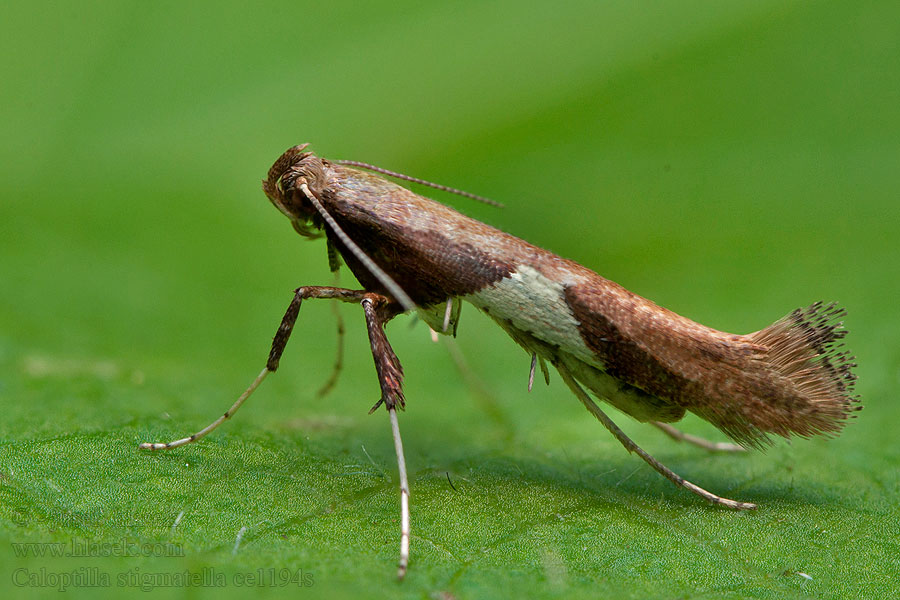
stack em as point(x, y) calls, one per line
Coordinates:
point(282, 335)
point(379, 310)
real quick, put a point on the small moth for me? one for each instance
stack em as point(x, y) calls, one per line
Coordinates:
point(412, 254)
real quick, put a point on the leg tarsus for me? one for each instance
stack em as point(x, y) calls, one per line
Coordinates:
point(404, 496)
point(227, 415)
point(680, 436)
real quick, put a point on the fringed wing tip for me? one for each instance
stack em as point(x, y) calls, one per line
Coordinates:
point(812, 371)
point(800, 381)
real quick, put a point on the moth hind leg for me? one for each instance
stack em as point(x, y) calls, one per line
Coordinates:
point(638, 404)
point(632, 401)
point(680, 436)
point(632, 447)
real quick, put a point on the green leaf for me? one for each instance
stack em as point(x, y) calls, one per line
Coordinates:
point(730, 161)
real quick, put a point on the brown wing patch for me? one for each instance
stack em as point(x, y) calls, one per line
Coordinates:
point(788, 379)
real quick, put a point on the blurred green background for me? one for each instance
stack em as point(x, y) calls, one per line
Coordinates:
point(729, 160)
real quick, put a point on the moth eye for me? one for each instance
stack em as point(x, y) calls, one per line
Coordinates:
point(286, 181)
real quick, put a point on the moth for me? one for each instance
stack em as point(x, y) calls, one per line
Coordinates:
point(412, 254)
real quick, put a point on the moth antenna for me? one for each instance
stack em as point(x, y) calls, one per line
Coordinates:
point(385, 279)
point(437, 186)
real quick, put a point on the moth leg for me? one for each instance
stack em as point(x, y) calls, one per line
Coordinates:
point(680, 436)
point(339, 357)
point(544, 370)
point(534, 362)
point(476, 385)
point(404, 496)
point(448, 312)
point(379, 310)
point(278, 343)
point(531, 371)
point(390, 376)
point(632, 447)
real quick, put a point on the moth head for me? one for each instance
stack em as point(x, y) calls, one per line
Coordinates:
point(282, 188)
